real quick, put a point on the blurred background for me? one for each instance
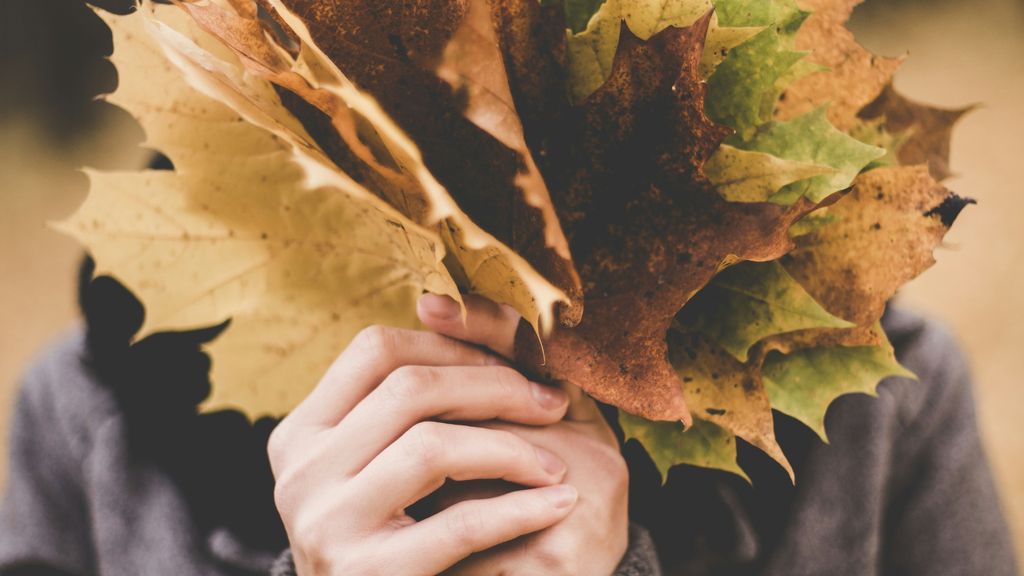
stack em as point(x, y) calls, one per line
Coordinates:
point(960, 53)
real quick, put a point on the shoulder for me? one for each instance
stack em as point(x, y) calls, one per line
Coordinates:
point(931, 351)
point(60, 389)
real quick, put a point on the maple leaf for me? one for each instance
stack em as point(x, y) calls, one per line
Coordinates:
point(637, 189)
point(391, 51)
point(927, 129)
point(235, 232)
point(850, 76)
point(726, 392)
point(473, 63)
point(750, 176)
point(811, 138)
point(749, 302)
point(884, 234)
point(703, 444)
point(481, 263)
point(501, 146)
point(873, 132)
point(591, 52)
point(744, 89)
point(803, 383)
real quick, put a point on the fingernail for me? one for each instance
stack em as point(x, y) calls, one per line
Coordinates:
point(548, 397)
point(550, 463)
point(561, 496)
point(439, 307)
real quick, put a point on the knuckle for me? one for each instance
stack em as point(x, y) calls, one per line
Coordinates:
point(426, 443)
point(513, 447)
point(277, 446)
point(408, 383)
point(555, 559)
point(464, 527)
point(608, 459)
point(377, 340)
point(315, 534)
point(308, 540)
point(285, 495)
point(509, 382)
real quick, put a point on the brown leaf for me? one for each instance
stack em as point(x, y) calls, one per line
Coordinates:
point(391, 50)
point(884, 233)
point(360, 138)
point(722, 390)
point(929, 129)
point(473, 64)
point(533, 43)
point(646, 228)
point(330, 121)
point(854, 76)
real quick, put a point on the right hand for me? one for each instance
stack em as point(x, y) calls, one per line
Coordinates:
point(379, 433)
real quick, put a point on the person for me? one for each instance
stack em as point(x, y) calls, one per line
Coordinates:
point(422, 452)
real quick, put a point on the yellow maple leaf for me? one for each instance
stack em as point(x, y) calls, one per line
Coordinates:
point(237, 231)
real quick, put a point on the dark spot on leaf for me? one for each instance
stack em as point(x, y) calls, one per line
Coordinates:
point(950, 208)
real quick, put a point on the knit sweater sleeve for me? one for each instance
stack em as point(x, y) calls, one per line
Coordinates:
point(640, 559)
point(44, 522)
point(944, 517)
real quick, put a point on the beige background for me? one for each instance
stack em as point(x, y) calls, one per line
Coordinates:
point(960, 53)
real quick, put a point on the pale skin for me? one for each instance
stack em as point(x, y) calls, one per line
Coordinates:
point(402, 414)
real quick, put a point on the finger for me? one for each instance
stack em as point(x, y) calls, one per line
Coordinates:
point(444, 539)
point(373, 354)
point(582, 408)
point(487, 324)
point(421, 460)
point(412, 394)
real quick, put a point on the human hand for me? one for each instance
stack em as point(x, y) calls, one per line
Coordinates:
point(379, 433)
point(594, 537)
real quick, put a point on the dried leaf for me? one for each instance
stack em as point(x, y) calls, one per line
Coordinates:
point(704, 444)
point(726, 392)
point(928, 129)
point(235, 232)
point(619, 206)
point(748, 176)
point(749, 302)
point(885, 231)
point(744, 89)
point(804, 382)
point(473, 64)
point(811, 138)
point(388, 51)
point(852, 76)
point(592, 51)
point(487, 266)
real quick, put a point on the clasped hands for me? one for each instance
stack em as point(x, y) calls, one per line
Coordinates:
point(520, 478)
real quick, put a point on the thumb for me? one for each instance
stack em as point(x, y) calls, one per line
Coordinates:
point(486, 323)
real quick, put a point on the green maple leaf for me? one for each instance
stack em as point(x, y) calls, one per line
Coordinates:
point(705, 444)
point(874, 132)
point(751, 176)
point(784, 15)
point(811, 138)
point(749, 302)
point(591, 48)
point(804, 383)
point(744, 88)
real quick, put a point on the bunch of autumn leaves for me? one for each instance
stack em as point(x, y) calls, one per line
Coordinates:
point(700, 211)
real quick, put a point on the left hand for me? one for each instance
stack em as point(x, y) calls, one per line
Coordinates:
point(593, 538)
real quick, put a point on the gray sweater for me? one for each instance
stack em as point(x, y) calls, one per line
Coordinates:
point(903, 488)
